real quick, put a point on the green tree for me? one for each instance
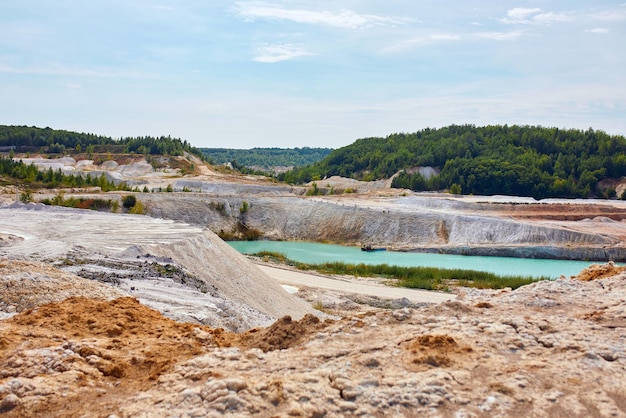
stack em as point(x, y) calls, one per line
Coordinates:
point(455, 188)
point(129, 201)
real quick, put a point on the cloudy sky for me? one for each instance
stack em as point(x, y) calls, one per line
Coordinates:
point(295, 73)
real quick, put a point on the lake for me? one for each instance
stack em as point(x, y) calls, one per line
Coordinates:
point(314, 253)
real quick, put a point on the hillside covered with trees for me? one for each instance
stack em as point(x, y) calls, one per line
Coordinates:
point(512, 160)
point(53, 141)
point(266, 157)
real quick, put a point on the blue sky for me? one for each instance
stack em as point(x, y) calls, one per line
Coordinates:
point(295, 73)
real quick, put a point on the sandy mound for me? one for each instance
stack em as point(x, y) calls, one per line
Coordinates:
point(120, 346)
point(600, 271)
point(199, 278)
point(284, 333)
point(427, 351)
point(25, 285)
point(109, 349)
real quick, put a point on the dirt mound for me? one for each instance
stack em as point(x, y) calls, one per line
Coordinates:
point(600, 271)
point(26, 285)
point(433, 351)
point(283, 334)
point(119, 346)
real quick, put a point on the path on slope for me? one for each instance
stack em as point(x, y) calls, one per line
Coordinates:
point(294, 278)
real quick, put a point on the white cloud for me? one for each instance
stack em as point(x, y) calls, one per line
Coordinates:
point(280, 52)
point(409, 43)
point(519, 14)
point(74, 86)
point(501, 36)
point(547, 18)
point(611, 15)
point(344, 18)
point(597, 30)
point(528, 16)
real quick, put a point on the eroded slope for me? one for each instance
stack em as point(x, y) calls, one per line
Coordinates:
point(214, 284)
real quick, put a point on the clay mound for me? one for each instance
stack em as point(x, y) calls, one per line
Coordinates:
point(283, 334)
point(600, 271)
point(26, 285)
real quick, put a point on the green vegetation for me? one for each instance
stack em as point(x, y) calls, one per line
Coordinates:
point(82, 203)
point(52, 141)
point(512, 160)
point(129, 201)
point(26, 196)
point(137, 209)
point(265, 158)
point(429, 278)
point(16, 172)
point(241, 232)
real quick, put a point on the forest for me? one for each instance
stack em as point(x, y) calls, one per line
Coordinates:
point(53, 141)
point(16, 172)
point(510, 160)
point(266, 158)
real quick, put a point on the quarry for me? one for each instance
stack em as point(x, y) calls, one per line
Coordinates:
point(123, 315)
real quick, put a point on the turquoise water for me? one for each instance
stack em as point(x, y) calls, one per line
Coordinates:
point(309, 252)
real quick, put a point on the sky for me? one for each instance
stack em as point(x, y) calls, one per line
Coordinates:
point(304, 73)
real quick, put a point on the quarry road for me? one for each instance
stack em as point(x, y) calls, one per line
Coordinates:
point(294, 278)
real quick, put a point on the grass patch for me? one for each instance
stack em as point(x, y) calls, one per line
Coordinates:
point(429, 278)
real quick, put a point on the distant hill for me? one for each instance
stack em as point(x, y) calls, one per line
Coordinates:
point(512, 160)
point(266, 158)
point(54, 141)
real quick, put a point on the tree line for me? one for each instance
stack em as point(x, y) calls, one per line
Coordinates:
point(513, 160)
point(265, 157)
point(51, 141)
point(29, 175)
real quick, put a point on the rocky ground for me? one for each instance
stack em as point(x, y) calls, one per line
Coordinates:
point(110, 315)
point(551, 349)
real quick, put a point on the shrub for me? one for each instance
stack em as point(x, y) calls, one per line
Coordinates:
point(455, 189)
point(129, 201)
point(137, 209)
point(26, 196)
point(611, 193)
point(314, 190)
